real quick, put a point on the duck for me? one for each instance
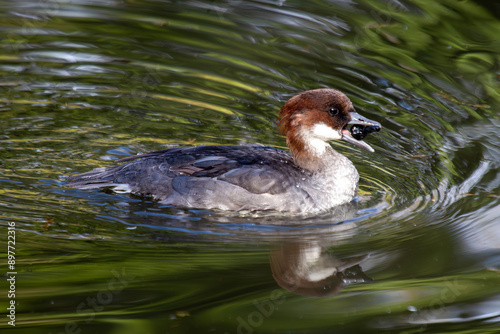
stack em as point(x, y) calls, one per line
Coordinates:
point(311, 177)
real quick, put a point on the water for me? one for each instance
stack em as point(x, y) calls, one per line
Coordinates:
point(86, 82)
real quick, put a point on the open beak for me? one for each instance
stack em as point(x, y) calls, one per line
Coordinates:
point(360, 120)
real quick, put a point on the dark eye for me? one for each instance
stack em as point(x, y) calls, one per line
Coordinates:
point(333, 111)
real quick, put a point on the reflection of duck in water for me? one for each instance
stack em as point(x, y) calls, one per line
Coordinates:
point(305, 268)
point(312, 177)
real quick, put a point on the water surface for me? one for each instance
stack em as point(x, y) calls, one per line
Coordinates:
point(86, 82)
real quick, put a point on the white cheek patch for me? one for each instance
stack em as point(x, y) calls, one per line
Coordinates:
point(318, 136)
point(325, 132)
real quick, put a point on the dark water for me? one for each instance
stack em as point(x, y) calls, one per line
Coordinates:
point(83, 83)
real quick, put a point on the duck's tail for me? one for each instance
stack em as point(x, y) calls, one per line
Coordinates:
point(97, 178)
